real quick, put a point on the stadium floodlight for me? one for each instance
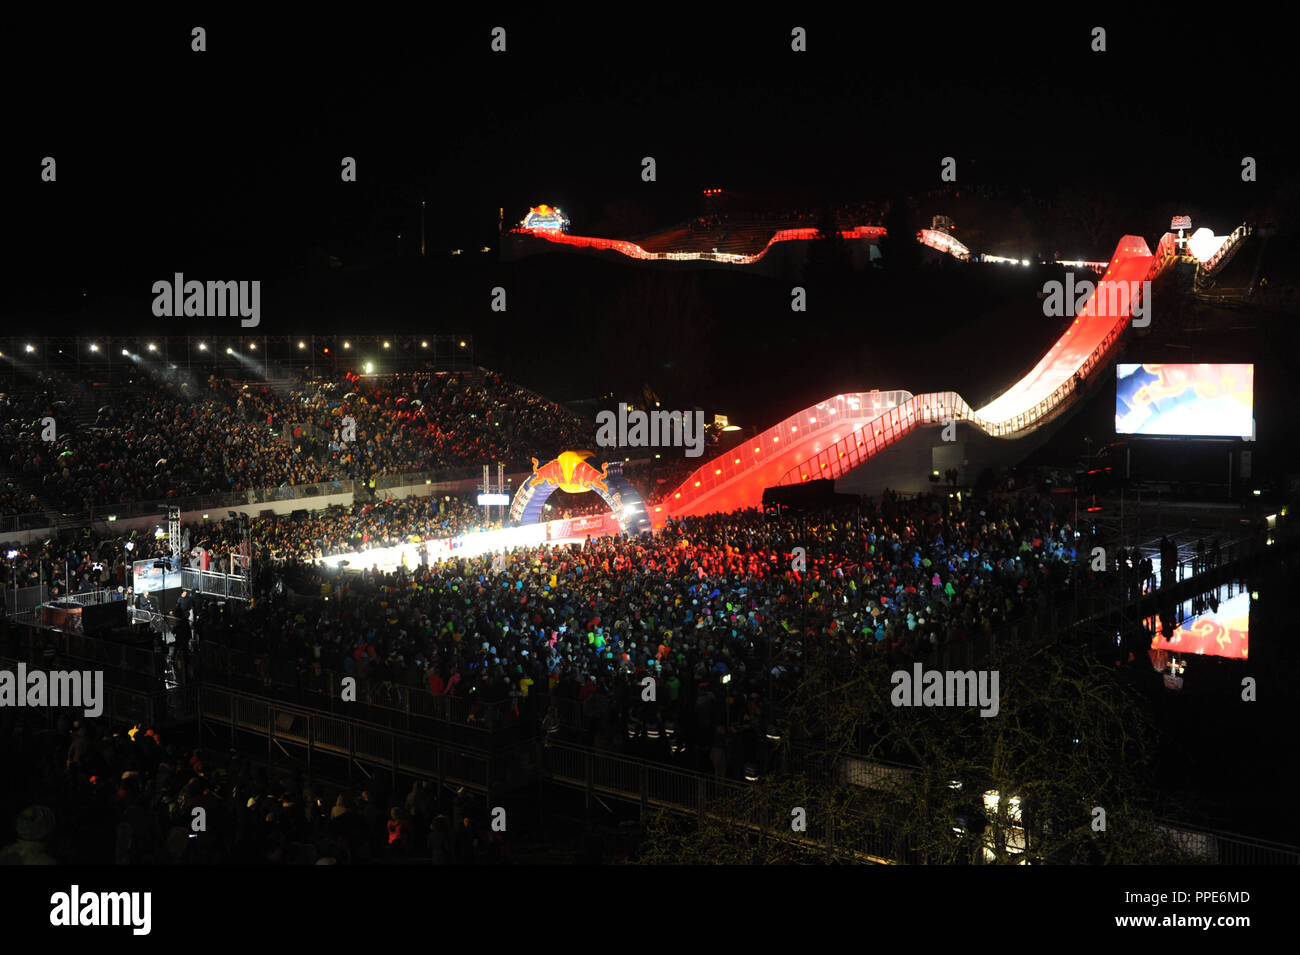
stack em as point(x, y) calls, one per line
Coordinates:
point(153, 347)
point(424, 344)
point(229, 350)
point(30, 348)
point(252, 346)
point(302, 345)
point(94, 347)
point(130, 545)
point(385, 344)
point(462, 344)
point(203, 346)
point(347, 344)
point(370, 367)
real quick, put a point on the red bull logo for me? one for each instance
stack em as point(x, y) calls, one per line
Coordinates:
point(570, 472)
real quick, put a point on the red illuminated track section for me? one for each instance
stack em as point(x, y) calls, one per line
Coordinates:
point(634, 251)
point(804, 447)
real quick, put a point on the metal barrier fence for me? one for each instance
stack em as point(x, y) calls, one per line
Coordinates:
point(226, 663)
point(23, 600)
point(649, 784)
point(362, 745)
point(31, 643)
point(407, 478)
point(1222, 848)
point(214, 583)
point(664, 787)
point(51, 520)
point(216, 501)
point(13, 523)
point(122, 706)
point(91, 598)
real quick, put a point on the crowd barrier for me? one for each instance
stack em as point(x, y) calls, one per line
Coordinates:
point(365, 747)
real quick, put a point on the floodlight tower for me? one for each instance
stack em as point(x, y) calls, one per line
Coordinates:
point(174, 535)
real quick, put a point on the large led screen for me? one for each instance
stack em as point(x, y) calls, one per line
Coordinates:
point(1221, 632)
point(1189, 400)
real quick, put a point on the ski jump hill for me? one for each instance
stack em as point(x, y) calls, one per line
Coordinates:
point(897, 432)
point(902, 436)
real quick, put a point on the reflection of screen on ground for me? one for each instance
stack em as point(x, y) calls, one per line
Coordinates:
point(1223, 633)
point(1195, 400)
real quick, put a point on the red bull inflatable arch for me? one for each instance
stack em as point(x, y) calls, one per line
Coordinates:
point(570, 472)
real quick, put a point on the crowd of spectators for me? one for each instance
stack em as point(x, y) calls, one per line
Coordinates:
point(424, 422)
point(166, 436)
point(715, 610)
point(82, 561)
point(705, 598)
point(158, 438)
point(86, 796)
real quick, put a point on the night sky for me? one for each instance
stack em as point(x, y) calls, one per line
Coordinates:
point(225, 164)
point(233, 155)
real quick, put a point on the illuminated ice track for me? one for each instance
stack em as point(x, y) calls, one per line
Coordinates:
point(840, 434)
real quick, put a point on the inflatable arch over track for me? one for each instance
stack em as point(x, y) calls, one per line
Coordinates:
point(571, 472)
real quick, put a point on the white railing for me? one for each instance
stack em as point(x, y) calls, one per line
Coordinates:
point(1214, 264)
point(834, 415)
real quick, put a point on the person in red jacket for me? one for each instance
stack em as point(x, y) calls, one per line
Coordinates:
point(436, 684)
point(398, 831)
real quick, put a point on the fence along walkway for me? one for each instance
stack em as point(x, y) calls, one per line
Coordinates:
point(665, 787)
point(365, 746)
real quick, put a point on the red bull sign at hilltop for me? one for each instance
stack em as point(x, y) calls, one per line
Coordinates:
point(571, 473)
